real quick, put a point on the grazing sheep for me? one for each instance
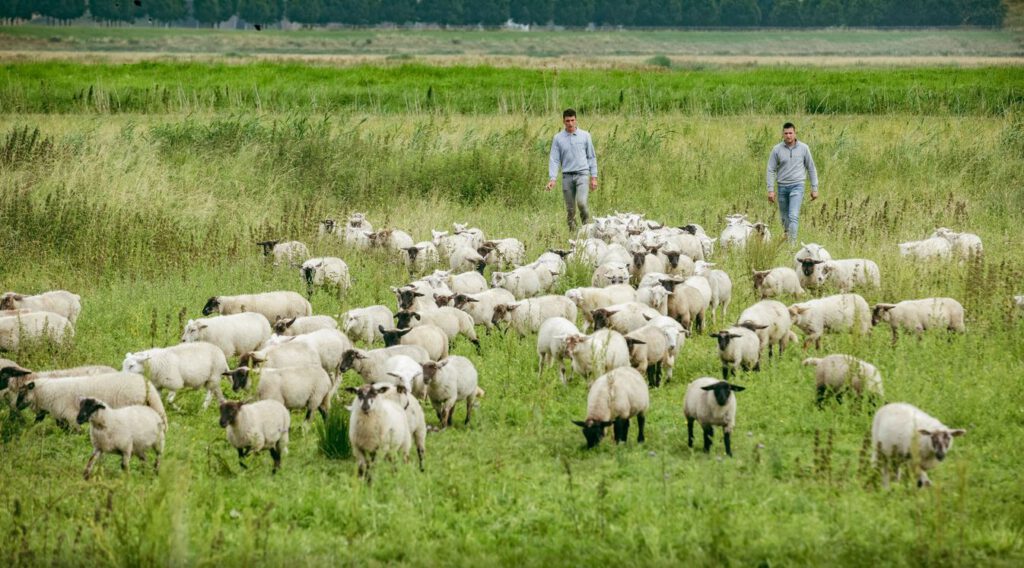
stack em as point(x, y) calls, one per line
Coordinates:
point(712, 403)
point(60, 302)
point(234, 334)
point(553, 260)
point(465, 283)
point(414, 415)
point(286, 354)
point(503, 252)
point(777, 282)
point(255, 426)
point(446, 243)
point(60, 397)
point(308, 387)
point(614, 398)
point(186, 365)
point(291, 252)
point(676, 263)
point(610, 273)
point(526, 316)
point(422, 256)
point(687, 304)
point(33, 326)
point(377, 426)
point(650, 352)
point(474, 235)
point(302, 325)
point(720, 285)
point(645, 262)
point(522, 282)
point(428, 336)
point(589, 299)
point(624, 318)
point(551, 344)
point(928, 249)
point(391, 239)
point(129, 430)
point(894, 431)
point(449, 381)
point(452, 321)
point(466, 259)
point(849, 273)
point(480, 306)
point(676, 336)
point(774, 316)
point(272, 305)
point(13, 376)
point(808, 261)
point(920, 315)
point(329, 345)
point(964, 245)
point(839, 373)
point(325, 272)
point(841, 312)
point(739, 346)
point(362, 324)
point(597, 353)
point(372, 365)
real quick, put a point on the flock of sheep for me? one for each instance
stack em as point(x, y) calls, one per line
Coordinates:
point(652, 287)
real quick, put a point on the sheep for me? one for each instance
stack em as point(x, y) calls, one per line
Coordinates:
point(614, 398)
point(712, 403)
point(129, 430)
point(503, 252)
point(465, 283)
point(965, 245)
point(60, 302)
point(553, 260)
point(234, 334)
point(186, 365)
point(807, 261)
point(421, 256)
point(598, 352)
point(686, 304)
point(777, 282)
point(587, 251)
point(272, 305)
point(376, 426)
point(33, 326)
point(894, 431)
point(547, 276)
point(739, 347)
point(466, 259)
point(302, 325)
point(449, 381)
point(920, 315)
point(624, 318)
point(307, 386)
point(838, 373)
point(736, 232)
point(850, 272)
point(676, 336)
point(645, 262)
point(413, 414)
point(719, 283)
point(326, 272)
point(522, 282)
point(610, 273)
point(255, 426)
point(13, 376)
point(650, 352)
point(928, 249)
point(452, 321)
point(446, 243)
point(428, 336)
point(474, 235)
point(356, 230)
point(407, 372)
point(526, 316)
point(480, 306)
point(329, 345)
point(840, 312)
point(372, 365)
point(392, 239)
point(707, 244)
point(654, 296)
point(361, 324)
point(774, 316)
point(327, 227)
point(551, 344)
point(60, 397)
point(589, 299)
point(292, 252)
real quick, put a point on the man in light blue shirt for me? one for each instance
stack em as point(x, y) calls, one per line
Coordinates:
point(787, 164)
point(573, 151)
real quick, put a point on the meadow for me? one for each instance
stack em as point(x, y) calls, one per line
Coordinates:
point(148, 209)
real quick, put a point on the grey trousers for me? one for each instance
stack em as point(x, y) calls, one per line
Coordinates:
point(575, 189)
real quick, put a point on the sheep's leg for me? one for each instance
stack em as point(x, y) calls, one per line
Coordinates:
point(476, 342)
point(895, 336)
point(92, 462)
point(625, 430)
point(40, 416)
point(709, 431)
point(922, 480)
point(420, 450)
point(126, 457)
point(209, 397)
point(821, 396)
point(156, 463)
point(323, 412)
point(817, 343)
point(309, 414)
point(640, 420)
point(725, 372)
point(469, 408)
point(617, 430)
point(770, 354)
point(561, 370)
point(689, 431)
point(449, 412)
point(727, 437)
point(242, 452)
point(541, 357)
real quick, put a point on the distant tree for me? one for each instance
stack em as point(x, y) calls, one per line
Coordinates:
point(939, 13)
point(700, 13)
point(113, 10)
point(740, 13)
point(786, 14)
point(765, 6)
point(353, 12)
point(16, 9)
point(531, 11)
point(863, 12)
point(573, 12)
point(901, 13)
point(615, 12)
point(440, 12)
point(486, 12)
point(659, 13)
point(397, 11)
point(826, 13)
point(982, 12)
point(261, 11)
point(304, 11)
point(165, 10)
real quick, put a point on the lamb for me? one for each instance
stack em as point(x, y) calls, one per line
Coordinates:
point(362, 324)
point(837, 313)
point(838, 373)
point(452, 321)
point(33, 326)
point(481, 306)
point(234, 334)
point(807, 261)
point(186, 365)
point(920, 315)
point(255, 426)
point(597, 353)
point(624, 318)
point(610, 273)
point(896, 428)
point(589, 299)
point(739, 347)
point(774, 316)
point(676, 336)
point(272, 305)
point(308, 387)
point(413, 414)
point(326, 272)
point(850, 272)
point(372, 365)
point(777, 282)
point(503, 252)
point(428, 336)
point(377, 426)
point(421, 256)
point(719, 283)
point(964, 245)
point(551, 344)
point(736, 232)
point(928, 249)
point(405, 371)
point(526, 316)
point(60, 302)
point(466, 259)
point(449, 381)
point(292, 252)
point(615, 398)
point(712, 403)
point(650, 352)
point(302, 325)
point(522, 282)
point(60, 397)
point(129, 430)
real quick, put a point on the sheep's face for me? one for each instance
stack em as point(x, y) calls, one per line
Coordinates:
point(192, 331)
point(239, 377)
point(86, 408)
point(212, 306)
point(26, 395)
point(268, 246)
point(673, 258)
point(406, 297)
point(759, 277)
point(348, 360)
point(941, 440)
point(500, 312)
point(357, 220)
point(430, 371)
point(366, 395)
point(461, 300)
point(593, 430)
point(9, 373)
point(724, 337)
point(722, 391)
point(404, 319)
point(134, 364)
point(9, 301)
point(601, 318)
point(392, 337)
point(229, 410)
point(282, 325)
point(807, 265)
point(881, 313)
point(442, 300)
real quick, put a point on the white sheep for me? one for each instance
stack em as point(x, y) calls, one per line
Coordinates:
point(330, 346)
point(60, 302)
point(676, 263)
point(654, 296)
point(610, 273)
point(897, 428)
point(428, 336)
point(308, 387)
point(325, 272)
point(553, 260)
point(964, 245)
point(272, 305)
point(588, 299)
point(739, 347)
point(328, 227)
point(186, 365)
point(712, 403)
point(920, 315)
point(13, 376)
point(927, 249)
point(290, 252)
point(624, 318)
point(645, 262)
point(234, 334)
point(522, 282)
point(526, 316)
point(807, 262)
point(587, 251)
point(129, 431)
point(615, 398)
point(356, 230)
point(452, 321)
point(777, 282)
point(687, 304)
point(850, 273)
point(413, 414)
point(59, 397)
point(719, 283)
point(473, 234)
point(551, 344)
point(676, 335)
point(421, 256)
point(466, 259)
point(838, 313)
point(377, 427)
point(774, 316)
point(447, 243)
point(256, 426)
point(303, 324)
point(372, 365)
point(598, 352)
point(33, 326)
point(361, 324)
point(707, 244)
point(503, 252)
point(465, 283)
point(450, 381)
point(838, 373)
point(650, 352)
point(480, 306)
point(391, 239)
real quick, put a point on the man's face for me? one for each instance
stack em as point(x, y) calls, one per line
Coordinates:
point(789, 136)
point(570, 123)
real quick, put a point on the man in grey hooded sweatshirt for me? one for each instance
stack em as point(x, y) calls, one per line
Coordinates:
point(789, 164)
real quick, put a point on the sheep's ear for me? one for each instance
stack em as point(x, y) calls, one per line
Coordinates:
point(352, 390)
point(395, 375)
point(443, 362)
point(511, 307)
point(416, 315)
point(737, 388)
point(31, 385)
point(580, 423)
point(381, 328)
point(202, 326)
point(382, 389)
point(400, 389)
point(924, 432)
point(957, 432)
point(606, 423)
point(709, 387)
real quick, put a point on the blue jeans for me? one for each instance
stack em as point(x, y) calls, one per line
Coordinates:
point(790, 198)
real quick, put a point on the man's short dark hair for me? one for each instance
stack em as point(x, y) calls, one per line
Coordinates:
point(788, 125)
point(568, 112)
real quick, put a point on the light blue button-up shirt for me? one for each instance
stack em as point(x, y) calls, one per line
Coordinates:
point(573, 152)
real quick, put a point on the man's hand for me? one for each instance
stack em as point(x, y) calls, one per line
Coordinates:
point(550, 186)
point(771, 197)
point(593, 184)
point(814, 195)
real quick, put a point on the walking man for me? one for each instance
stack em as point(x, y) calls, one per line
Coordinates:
point(789, 164)
point(573, 151)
